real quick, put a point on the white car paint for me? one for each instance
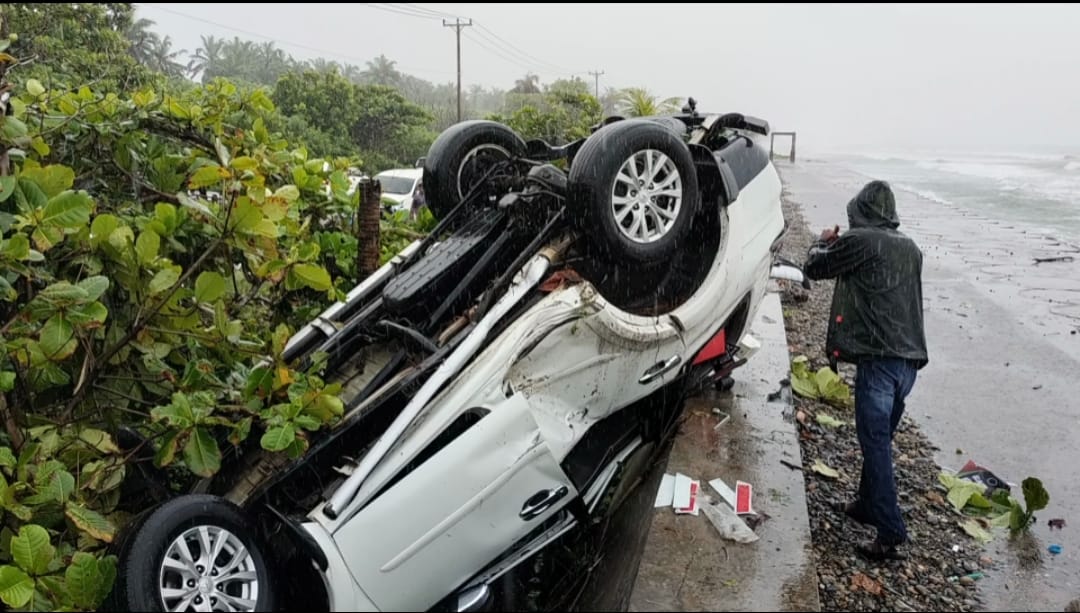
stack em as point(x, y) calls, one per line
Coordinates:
point(400, 185)
point(539, 381)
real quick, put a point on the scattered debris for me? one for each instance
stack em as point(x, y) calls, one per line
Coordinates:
point(1056, 523)
point(976, 531)
point(825, 384)
point(959, 451)
point(791, 465)
point(800, 416)
point(666, 494)
point(685, 500)
point(1073, 607)
point(975, 576)
point(825, 470)
point(1060, 258)
point(1054, 549)
point(986, 561)
point(828, 420)
point(743, 493)
point(727, 523)
point(860, 581)
point(726, 493)
point(755, 520)
point(724, 417)
point(1037, 387)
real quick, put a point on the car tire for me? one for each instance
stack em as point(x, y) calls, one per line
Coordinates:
point(144, 576)
point(460, 157)
point(637, 224)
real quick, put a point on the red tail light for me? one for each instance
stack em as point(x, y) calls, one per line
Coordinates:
point(716, 347)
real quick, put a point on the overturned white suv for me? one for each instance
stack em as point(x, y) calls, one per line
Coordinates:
point(506, 379)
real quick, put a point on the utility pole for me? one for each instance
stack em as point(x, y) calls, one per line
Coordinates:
point(458, 25)
point(596, 74)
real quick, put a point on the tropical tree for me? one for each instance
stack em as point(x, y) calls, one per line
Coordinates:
point(639, 102)
point(143, 40)
point(381, 71)
point(206, 57)
point(529, 84)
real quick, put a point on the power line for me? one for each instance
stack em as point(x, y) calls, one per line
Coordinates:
point(426, 10)
point(281, 41)
point(524, 54)
point(502, 56)
point(392, 9)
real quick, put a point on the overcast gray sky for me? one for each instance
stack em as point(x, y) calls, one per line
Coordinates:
point(876, 75)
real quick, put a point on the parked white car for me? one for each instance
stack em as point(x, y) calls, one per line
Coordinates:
point(399, 185)
point(506, 380)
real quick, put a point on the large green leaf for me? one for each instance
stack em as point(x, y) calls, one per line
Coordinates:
point(34, 87)
point(91, 522)
point(279, 438)
point(102, 228)
point(326, 407)
point(245, 216)
point(99, 439)
point(7, 186)
point(1035, 495)
point(147, 246)
point(164, 279)
point(68, 210)
point(31, 549)
point(94, 286)
point(51, 179)
point(313, 276)
point(7, 457)
point(178, 413)
point(209, 286)
point(207, 176)
point(16, 588)
point(57, 487)
point(201, 453)
point(259, 382)
point(166, 451)
point(16, 248)
point(57, 338)
point(64, 293)
point(88, 314)
point(84, 581)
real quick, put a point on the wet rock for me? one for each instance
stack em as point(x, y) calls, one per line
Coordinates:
point(1073, 607)
point(967, 581)
point(970, 566)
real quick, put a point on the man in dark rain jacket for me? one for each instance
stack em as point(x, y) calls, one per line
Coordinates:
point(877, 324)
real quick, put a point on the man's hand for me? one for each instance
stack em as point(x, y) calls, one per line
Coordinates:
point(830, 234)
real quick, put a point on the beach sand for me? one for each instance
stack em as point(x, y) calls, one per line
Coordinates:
point(1003, 383)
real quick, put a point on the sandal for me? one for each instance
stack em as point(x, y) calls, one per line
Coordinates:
point(853, 512)
point(877, 552)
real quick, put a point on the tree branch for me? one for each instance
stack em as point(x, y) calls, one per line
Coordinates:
point(137, 327)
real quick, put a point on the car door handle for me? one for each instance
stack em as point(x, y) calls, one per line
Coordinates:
point(542, 501)
point(660, 368)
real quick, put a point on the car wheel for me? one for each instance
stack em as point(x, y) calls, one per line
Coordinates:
point(634, 190)
point(460, 158)
point(193, 553)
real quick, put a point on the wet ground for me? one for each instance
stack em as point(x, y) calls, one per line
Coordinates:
point(686, 565)
point(1001, 387)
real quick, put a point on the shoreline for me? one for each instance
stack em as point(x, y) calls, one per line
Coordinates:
point(929, 579)
point(1000, 387)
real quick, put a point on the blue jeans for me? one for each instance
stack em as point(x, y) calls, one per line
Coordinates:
point(881, 385)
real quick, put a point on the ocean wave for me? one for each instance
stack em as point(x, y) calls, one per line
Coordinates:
point(923, 193)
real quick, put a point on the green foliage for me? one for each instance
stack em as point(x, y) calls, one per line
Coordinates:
point(566, 112)
point(639, 102)
point(354, 119)
point(996, 510)
point(74, 44)
point(823, 385)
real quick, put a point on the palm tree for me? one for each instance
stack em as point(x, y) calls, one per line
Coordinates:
point(639, 102)
point(164, 59)
point(206, 58)
point(530, 84)
point(381, 71)
point(143, 40)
